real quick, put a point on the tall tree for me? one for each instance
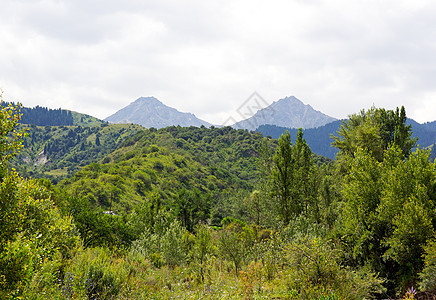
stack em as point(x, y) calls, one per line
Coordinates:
point(374, 130)
point(283, 179)
point(389, 212)
point(305, 174)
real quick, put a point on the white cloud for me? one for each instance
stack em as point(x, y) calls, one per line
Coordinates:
point(207, 57)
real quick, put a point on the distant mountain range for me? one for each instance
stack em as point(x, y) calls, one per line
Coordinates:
point(319, 139)
point(150, 112)
point(287, 112)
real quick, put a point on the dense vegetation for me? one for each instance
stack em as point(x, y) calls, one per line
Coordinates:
point(43, 116)
point(319, 139)
point(56, 152)
point(224, 214)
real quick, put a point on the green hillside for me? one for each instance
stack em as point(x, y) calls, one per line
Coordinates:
point(58, 151)
point(85, 120)
point(168, 161)
point(43, 116)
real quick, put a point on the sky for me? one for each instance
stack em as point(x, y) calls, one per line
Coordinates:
point(208, 57)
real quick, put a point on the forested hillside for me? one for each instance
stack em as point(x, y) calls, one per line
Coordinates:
point(220, 214)
point(209, 162)
point(319, 139)
point(43, 116)
point(56, 152)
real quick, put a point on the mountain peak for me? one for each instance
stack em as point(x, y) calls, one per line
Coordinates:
point(150, 112)
point(287, 112)
point(151, 100)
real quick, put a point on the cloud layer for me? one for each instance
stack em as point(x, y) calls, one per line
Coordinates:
point(207, 57)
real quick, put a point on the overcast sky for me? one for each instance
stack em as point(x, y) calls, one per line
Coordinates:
point(207, 57)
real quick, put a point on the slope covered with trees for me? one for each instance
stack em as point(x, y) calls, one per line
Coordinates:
point(56, 152)
point(43, 116)
point(319, 139)
point(169, 162)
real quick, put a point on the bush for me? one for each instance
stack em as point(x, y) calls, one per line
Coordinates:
point(314, 272)
point(16, 265)
point(428, 275)
point(162, 247)
point(94, 273)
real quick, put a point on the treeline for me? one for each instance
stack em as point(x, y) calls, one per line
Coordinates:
point(319, 139)
point(43, 116)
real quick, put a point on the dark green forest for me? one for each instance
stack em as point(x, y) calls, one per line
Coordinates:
point(43, 116)
point(56, 152)
point(123, 212)
point(319, 139)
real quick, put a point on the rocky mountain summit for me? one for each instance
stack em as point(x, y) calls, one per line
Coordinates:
point(150, 112)
point(287, 112)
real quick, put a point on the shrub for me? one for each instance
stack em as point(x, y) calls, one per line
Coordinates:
point(94, 273)
point(314, 272)
point(428, 275)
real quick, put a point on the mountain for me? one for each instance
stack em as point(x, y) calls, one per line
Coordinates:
point(150, 112)
point(287, 112)
point(319, 139)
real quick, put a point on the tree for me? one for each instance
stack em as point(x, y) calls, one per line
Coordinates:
point(305, 175)
point(32, 230)
point(389, 212)
point(202, 248)
point(282, 178)
point(10, 138)
point(191, 207)
point(293, 180)
point(375, 131)
point(260, 201)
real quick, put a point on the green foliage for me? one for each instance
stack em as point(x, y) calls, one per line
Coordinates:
point(374, 131)
point(10, 138)
point(16, 265)
point(98, 227)
point(428, 275)
point(189, 180)
point(86, 120)
point(232, 248)
point(192, 207)
point(284, 225)
point(43, 116)
point(162, 246)
point(94, 274)
point(314, 272)
point(59, 151)
point(202, 249)
point(388, 215)
point(32, 230)
point(283, 180)
point(293, 179)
